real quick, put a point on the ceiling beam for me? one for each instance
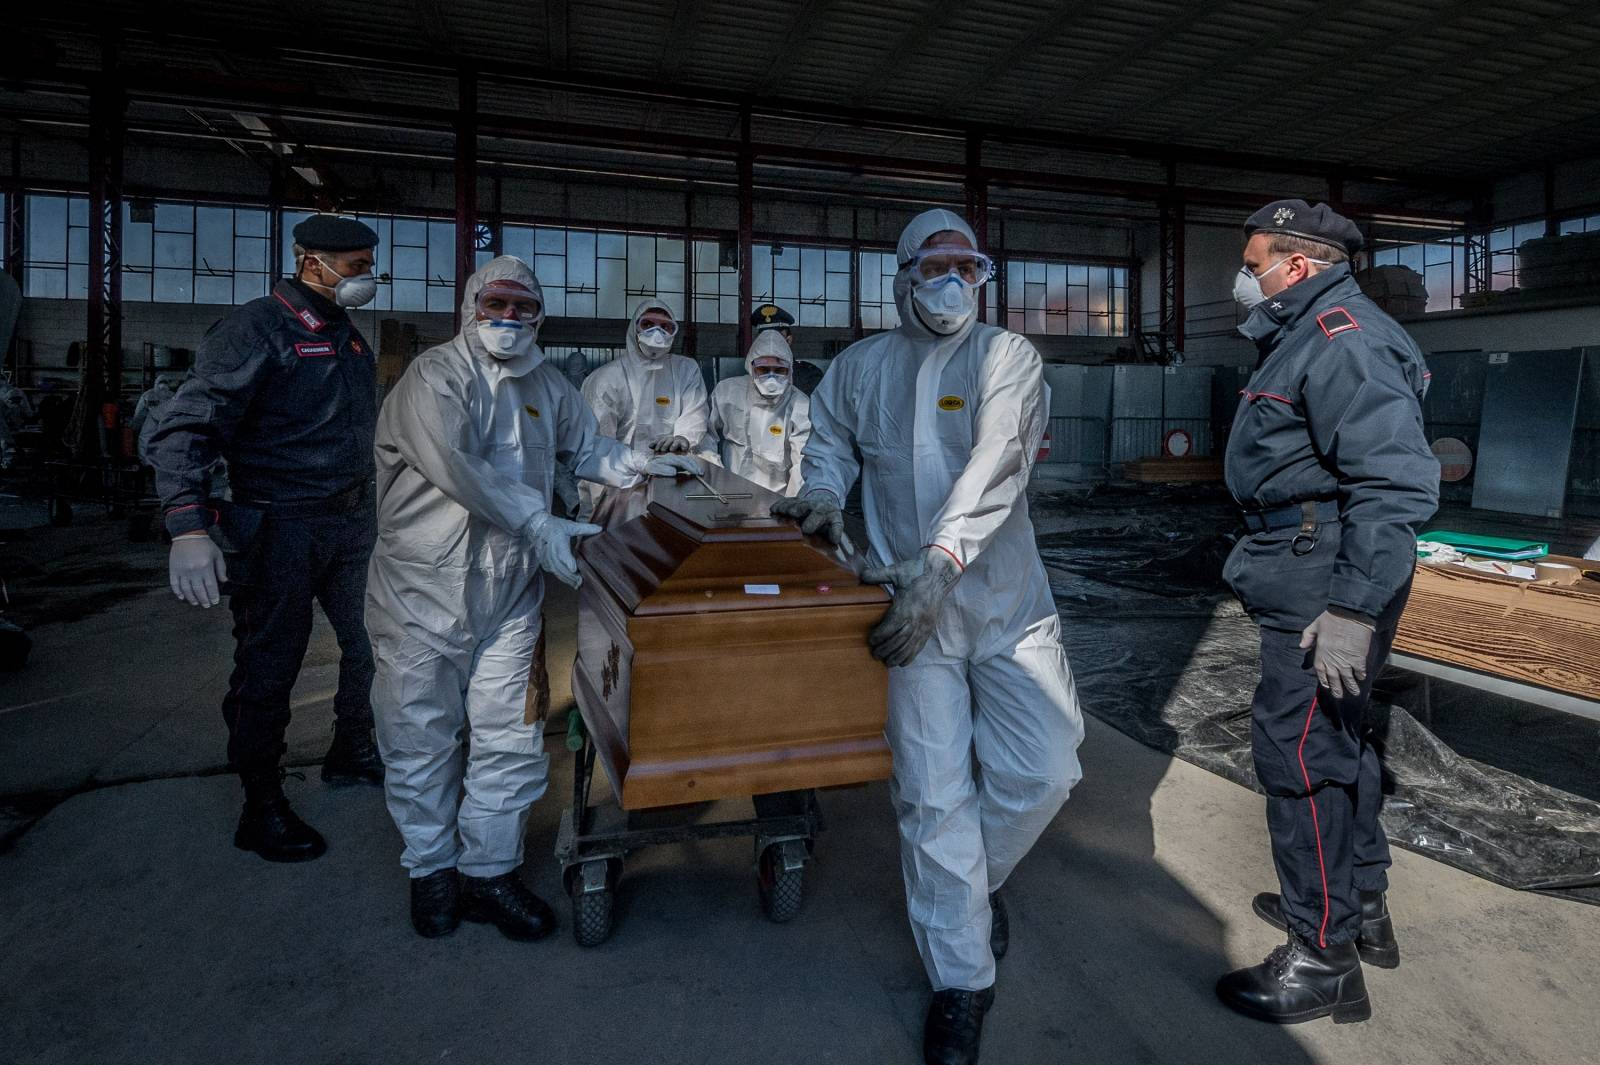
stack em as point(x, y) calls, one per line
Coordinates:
point(793, 43)
point(925, 25)
point(404, 61)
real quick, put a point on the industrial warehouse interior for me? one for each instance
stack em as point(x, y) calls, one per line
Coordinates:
point(1050, 401)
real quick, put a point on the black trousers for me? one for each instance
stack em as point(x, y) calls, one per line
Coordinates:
point(289, 564)
point(1314, 757)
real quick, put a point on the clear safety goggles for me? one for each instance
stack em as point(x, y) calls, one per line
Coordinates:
point(504, 304)
point(661, 322)
point(773, 367)
point(971, 268)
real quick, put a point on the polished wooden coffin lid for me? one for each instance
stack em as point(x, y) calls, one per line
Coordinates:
point(671, 549)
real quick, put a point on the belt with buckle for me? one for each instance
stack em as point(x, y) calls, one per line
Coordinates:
point(351, 498)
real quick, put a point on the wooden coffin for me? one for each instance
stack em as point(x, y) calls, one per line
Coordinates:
point(1532, 633)
point(694, 679)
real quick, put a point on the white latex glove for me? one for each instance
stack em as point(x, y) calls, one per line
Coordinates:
point(195, 569)
point(920, 585)
point(552, 538)
point(1342, 642)
point(676, 445)
point(817, 512)
point(666, 465)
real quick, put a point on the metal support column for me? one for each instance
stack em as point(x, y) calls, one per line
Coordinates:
point(856, 329)
point(1552, 227)
point(14, 216)
point(1171, 295)
point(977, 195)
point(103, 371)
point(691, 334)
point(1478, 268)
point(466, 152)
point(747, 225)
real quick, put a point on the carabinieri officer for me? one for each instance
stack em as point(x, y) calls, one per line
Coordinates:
point(284, 390)
point(1329, 462)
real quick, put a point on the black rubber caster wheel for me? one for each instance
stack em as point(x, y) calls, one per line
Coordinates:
point(592, 911)
point(781, 889)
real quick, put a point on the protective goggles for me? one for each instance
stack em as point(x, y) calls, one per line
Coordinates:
point(971, 268)
point(658, 321)
point(518, 305)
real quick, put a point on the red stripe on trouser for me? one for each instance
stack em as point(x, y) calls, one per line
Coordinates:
point(1322, 866)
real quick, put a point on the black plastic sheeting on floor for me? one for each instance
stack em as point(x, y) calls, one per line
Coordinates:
point(1163, 653)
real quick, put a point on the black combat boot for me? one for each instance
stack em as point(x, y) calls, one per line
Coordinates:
point(268, 826)
point(1376, 943)
point(999, 926)
point(353, 758)
point(1300, 982)
point(436, 903)
point(955, 1025)
point(505, 902)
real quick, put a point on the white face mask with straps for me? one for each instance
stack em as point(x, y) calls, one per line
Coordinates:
point(1247, 286)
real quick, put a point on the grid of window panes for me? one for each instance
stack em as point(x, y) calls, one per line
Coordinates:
point(811, 283)
point(1442, 264)
point(1591, 224)
point(1504, 260)
point(56, 246)
point(194, 253)
point(415, 261)
point(716, 287)
point(1066, 299)
point(875, 290)
point(589, 273)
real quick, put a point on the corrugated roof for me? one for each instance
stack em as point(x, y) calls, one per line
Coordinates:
point(1453, 87)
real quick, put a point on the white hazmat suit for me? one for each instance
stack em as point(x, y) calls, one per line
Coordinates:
point(760, 437)
point(466, 449)
point(947, 427)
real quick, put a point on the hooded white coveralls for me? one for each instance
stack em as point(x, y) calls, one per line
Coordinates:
point(760, 437)
point(466, 451)
point(638, 399)
point(948, 428)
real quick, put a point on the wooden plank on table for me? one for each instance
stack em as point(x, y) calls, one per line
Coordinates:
point(1536, 634)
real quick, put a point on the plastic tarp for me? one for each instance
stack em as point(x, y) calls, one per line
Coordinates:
point(1163, 653)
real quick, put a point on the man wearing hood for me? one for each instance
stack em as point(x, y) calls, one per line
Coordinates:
point(147, 412)
point(946, 415)
point(760, 423)
point(466, 450)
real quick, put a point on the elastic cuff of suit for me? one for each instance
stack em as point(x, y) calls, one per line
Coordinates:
point(962, 566)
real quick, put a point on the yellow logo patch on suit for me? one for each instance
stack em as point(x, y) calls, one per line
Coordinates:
point(952, 403)
point(533, 412)
point(663, 401)
point(775, 430)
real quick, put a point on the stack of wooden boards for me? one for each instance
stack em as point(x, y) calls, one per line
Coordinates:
point(1190, 469)
point(1535, 633)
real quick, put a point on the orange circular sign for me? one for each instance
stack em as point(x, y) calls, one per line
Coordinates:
point(1455, 458)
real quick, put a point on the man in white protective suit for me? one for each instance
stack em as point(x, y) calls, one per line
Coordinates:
point(466, 449)
point(648, 397)
point(760, 423)
point(947, 414)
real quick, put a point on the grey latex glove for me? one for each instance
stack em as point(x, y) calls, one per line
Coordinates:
point(920, 585)
point(817, 512)
point(195, 570)
point(672, 466)
point(552, 538)
point(674, 445)
point(1342, 642)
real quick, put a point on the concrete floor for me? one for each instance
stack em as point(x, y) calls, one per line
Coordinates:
point(132, 930)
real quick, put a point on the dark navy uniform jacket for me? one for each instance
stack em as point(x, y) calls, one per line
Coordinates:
point(284, 389)
point(1333, 412)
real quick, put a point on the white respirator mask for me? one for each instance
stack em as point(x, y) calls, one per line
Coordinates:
point(654, 342)
point(945, 304)
point(351, 292)
point(771, 384)
point(507, 338)
point(1247, 286)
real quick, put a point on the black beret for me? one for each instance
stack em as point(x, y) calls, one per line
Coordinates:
point(334, 232)
point(1297, 218)
point(771, 316)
